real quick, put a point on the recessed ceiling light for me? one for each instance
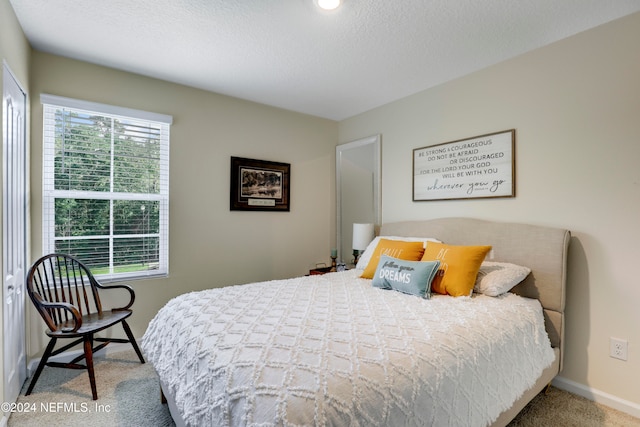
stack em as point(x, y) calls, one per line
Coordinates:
point(328, 4)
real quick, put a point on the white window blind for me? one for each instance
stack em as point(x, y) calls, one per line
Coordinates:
point(106, 187)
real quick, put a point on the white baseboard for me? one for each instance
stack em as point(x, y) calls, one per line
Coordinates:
point(598, 396)
point(115, 347)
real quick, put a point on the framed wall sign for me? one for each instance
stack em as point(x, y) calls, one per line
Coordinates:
point(259, 185)
point(478, 167)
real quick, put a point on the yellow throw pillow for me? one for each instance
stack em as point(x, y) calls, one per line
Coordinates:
point(409, 251)
point(459, 267)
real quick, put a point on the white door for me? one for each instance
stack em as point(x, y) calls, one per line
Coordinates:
point(14, 205)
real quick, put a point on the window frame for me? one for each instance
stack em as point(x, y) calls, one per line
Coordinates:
point(50, 104)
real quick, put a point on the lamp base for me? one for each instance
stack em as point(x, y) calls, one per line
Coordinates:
point(356, 256)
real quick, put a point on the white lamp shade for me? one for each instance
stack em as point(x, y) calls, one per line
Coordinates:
point(363, 234)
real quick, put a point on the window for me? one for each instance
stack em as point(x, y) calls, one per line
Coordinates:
point(106, 187)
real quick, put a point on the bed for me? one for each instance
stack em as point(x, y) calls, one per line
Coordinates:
point(333, 350)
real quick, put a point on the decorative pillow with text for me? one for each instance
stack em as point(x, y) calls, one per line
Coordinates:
point(459, 267)
point(365, 258)
point(410, 251)
point(409, 277)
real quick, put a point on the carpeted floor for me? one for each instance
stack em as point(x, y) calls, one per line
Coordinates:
point(128, 395)
point(558, 408)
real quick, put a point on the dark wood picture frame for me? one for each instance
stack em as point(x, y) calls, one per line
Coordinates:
point(259, 185)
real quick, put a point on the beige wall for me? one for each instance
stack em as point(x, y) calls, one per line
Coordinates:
point(14, 48)
point(210, 246)
point(14, 52)
point(575, 106)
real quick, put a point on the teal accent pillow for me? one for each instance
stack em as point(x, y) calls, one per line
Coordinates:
point(409, 277)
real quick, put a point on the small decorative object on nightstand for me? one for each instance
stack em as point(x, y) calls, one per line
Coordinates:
point(334, 256)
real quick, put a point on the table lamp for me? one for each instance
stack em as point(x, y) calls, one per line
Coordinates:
point(363, 234)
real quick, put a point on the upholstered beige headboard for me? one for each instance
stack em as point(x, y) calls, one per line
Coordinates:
point(542, 249)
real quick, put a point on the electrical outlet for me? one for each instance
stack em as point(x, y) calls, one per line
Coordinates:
point(618, 348)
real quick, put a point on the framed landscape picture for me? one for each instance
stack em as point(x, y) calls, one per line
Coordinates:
point(259, 185)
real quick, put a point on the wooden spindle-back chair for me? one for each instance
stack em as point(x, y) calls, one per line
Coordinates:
point(66, 295)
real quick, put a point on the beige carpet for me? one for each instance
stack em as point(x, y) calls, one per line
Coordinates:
point(128, 395)
point(558, 408)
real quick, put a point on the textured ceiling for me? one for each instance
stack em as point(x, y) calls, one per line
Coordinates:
point(289, 54)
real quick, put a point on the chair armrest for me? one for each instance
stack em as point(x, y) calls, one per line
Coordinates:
point(132, 294)
point(45, 307)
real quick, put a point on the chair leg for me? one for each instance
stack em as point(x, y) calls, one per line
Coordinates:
point(88, 354)
point(41, 365)
point(127, 330)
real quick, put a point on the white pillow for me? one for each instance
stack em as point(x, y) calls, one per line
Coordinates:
point(364, 259)
point(496, 278)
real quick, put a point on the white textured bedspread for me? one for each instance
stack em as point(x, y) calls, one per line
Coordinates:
point(331, 350)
